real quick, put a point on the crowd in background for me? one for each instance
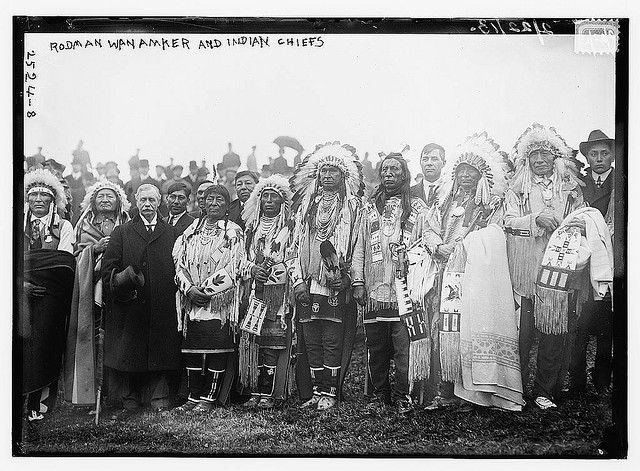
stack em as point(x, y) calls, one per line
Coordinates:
point(311, 248)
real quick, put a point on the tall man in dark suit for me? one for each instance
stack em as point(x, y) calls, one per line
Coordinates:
point(177, 199)
point(434, 188)
point(597, 315)
point(142, 342)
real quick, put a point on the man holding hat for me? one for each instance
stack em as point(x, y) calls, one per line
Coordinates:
point(597, 315)
point(142, 343)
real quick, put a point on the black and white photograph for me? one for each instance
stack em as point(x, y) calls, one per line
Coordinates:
point(320, 236)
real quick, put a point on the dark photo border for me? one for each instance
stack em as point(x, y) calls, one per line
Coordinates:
point(616, 438)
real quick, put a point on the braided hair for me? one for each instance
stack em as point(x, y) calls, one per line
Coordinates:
point(218, 190)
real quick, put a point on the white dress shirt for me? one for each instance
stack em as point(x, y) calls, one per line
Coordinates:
point(174, 219)
point(150, 224)
point(603, 176)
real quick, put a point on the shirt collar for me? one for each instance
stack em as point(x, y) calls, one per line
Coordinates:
point(42, 219)
point(603, 176)
point(541, 179)
point(437, 183)
point(177, 216)
point(426, 186)
point(153, 222)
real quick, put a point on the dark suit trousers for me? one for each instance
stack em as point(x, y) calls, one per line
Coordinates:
point(144, 388)
point(596, 319)
point(552, 353)
point(387, 341)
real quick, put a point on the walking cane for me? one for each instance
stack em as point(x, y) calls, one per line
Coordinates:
point(99, 365)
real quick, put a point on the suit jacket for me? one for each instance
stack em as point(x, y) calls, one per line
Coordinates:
point(417, 191)
point(184, 222)
point(196, 213)
point(142, 334)
point(598, 197)
point(235, 213)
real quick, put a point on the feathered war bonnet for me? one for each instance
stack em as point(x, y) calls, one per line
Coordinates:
point(86, 206)
point(93, 190)
point(43, 180)
point(537, 137)
point(251, 211)
point(305, 182)
point(480, 152)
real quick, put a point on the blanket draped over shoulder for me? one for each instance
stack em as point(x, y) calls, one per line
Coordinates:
point(80, 355)
point(42, 322)
point(490, 360)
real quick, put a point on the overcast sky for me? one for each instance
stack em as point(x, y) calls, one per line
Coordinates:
point(376, 92)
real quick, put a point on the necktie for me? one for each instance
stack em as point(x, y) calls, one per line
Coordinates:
point(172, 220)
point(150, 229)
point(36, 242)
point(432, 195)
point(599, 181)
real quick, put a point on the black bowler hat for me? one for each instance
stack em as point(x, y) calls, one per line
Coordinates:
point(125, 283)
point(596, 137)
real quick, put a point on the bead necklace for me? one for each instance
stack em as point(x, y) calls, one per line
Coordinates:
point(209, 231)
point(326, 215)
point(267, 224)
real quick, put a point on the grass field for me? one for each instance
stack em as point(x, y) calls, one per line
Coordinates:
point(574, 429)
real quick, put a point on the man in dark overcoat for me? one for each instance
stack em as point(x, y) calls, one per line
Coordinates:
point(142, 342)
point(597, 315)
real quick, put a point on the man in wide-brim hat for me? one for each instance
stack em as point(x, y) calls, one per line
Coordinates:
point(597, 315)
point(600, 152)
